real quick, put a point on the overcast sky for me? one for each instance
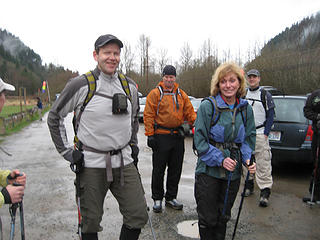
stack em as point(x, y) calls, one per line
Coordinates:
point(63, 31)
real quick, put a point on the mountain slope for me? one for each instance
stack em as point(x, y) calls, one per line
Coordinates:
point(291, 60)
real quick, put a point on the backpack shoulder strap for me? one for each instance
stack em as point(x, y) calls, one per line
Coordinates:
point(125, 85)
point(215, 110)
point(263, 98)
point(92, 86)
point(243, 112)
point(161, 96)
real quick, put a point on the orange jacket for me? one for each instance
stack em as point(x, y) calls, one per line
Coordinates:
point(169, 115)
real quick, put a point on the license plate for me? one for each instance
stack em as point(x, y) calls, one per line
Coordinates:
point(274, 136)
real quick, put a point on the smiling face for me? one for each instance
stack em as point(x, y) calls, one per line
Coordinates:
point(108, 58)
point(253, 81)
point(169, 81)
point(229, 86)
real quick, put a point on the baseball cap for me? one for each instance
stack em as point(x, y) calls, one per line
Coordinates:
point(254, 72)
point(104, 39)
point(169, 70)
point(6, 86)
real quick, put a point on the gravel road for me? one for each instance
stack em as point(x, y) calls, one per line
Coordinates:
point(50, 209)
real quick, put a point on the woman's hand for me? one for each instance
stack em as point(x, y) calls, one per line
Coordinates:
point(251, 168)
point(229, 164)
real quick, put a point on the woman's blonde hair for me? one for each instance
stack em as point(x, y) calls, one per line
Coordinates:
point(221, 72)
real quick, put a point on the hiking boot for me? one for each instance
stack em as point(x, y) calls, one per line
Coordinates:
point(174, 204)
point(308, 199)
point(264, 197)
point(157, 206)
point(248, 188)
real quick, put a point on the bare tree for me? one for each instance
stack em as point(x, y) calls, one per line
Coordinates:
point(163, 59)
point(128, 57)
point(144, 47)
point(186, 55)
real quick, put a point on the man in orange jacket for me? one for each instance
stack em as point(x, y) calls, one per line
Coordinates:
point(167, 108)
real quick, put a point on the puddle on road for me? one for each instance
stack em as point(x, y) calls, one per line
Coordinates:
point(188, 229)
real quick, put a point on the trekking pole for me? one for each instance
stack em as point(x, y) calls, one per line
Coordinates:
point(148, 209)
point(78, 205)
point(76, 167)
point(13, 210)
point(226, 195)
point(21, 221)
point(149, 219)
point(1, 233)
point(242, 197)
point(315, 172)
point(233, 154)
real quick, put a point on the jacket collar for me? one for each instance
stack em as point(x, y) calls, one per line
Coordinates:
point(222, 104)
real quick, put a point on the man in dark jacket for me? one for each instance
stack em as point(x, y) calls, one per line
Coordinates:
point(312, 111)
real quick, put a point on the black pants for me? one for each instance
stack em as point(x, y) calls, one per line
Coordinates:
point(210, 196)
point(315, 146)
point(168, 153)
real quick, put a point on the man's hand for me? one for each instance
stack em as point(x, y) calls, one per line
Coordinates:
point(68, 156)
point(17, 177)
point(251, 168)
point(16, 193)
point(77, 163)
point(152, 142)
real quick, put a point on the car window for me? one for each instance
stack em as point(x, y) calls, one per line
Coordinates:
point(196, 103)
point(142, 101)
point(289, 110)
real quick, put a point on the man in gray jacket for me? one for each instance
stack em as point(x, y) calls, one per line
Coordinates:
point(106, 129)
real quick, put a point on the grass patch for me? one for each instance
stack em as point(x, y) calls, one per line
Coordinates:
point(24, 122)
point(9, 110)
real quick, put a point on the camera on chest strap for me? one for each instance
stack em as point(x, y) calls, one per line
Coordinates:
point(119, 103)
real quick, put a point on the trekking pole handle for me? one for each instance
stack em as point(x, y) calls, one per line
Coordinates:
point(17, 184)
point(15, 176)
point(252, 159)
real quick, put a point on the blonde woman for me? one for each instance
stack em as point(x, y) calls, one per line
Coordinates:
point(224, 138)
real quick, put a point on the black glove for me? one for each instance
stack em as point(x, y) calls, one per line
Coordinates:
point(184, 130)
point(152, 142)
point(75, 157)
point(134, 154)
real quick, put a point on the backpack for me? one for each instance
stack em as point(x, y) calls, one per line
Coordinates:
point(262, 99)
point(92, 85)
point(216, 116)
point(166, 93)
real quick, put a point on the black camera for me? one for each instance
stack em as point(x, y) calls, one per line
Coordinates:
point(119, 103)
